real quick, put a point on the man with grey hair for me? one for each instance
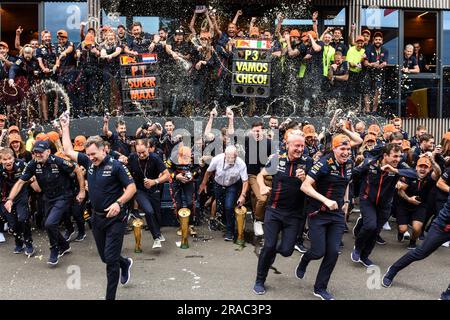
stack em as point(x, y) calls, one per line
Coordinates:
point(410, 64)
point(110, 187)
point(230, 174)
point(284, 211)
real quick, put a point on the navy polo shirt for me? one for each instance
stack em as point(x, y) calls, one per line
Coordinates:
point(286, 195)
point(410, 62)
point(331, 180)
point(443, 218)
point(106, 181)
point(53, 177)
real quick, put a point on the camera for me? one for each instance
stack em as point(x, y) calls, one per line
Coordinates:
point(188, 175)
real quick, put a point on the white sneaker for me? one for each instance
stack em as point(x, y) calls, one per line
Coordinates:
point(406, 236)
point(446, 244)
point(386, 226)
point(2, 237)
point(156, 243)
point(5, 228)
point(258, 228)
point(161, 238)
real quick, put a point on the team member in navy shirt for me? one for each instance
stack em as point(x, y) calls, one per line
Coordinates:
point(284, 211)
point(53, 176)
point(110, 187)
point(439, 233)
point(327, 202)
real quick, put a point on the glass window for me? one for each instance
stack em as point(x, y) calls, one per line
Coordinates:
point(420, 31)
point(65, 15)
point(386, 21)
point(420, 98)
point(446, 48)
point(446, 95)
point(150, 25)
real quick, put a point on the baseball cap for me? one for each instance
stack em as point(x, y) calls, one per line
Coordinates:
point(41, 146)
point(378, 34)
point(406, 145)
point(79, 142)
point(313, 34)
point(339, 140)
point(389, 128)
point(42, 137)
point(359, 38)
point(309, 131)
point(366, 31)
point(4, 44)
point(62, 33)
point(294, 33)
point(13, 128)
point(424, 161)
point(53, 136)
point(14, 137)
point(374, 129)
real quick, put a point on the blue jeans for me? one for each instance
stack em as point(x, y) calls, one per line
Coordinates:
point(226, 201)
point(149, 203)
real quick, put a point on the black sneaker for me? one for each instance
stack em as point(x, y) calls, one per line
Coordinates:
point(64, 249)
point(53, 259)
point(300, 247)
point(68, 235)
point(125, 274)
point(412, 245)
point(80, 237)
point(323, 294)
point(380, 240)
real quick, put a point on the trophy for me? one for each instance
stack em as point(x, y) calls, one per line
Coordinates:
point(240, 213)
point(184, 214)
point(137, 229)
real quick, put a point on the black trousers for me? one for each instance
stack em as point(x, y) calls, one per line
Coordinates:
point(325, 231)
point(19, 221)
point(108, 235)
point(373, 219)
point(274, 223)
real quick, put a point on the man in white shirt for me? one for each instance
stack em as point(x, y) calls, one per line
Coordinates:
point(230, 172)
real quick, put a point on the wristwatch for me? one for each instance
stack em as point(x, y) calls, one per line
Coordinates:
point(156, 182)
point(120, 204)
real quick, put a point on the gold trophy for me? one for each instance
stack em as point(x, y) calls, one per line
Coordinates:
point(184, 214)
point(137, 229)
point(240, 213)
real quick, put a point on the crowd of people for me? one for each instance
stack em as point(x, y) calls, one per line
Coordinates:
point(195, 68)
point(295, 180)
